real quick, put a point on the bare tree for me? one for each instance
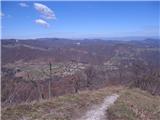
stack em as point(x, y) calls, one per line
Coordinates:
point(76, 84)
point(137, 69)
point(49, 81)
point(146, 77)
point(35, 83)
point(76, 81)
point(90, 73)
point(120, 71)
point(49, 74)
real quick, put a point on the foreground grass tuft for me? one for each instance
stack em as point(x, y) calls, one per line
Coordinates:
point(135, 104)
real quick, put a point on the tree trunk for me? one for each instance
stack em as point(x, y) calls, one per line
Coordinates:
point(49, 82)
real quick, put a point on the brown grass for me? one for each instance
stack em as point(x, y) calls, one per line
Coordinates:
point(135, 104)
point(60, 108)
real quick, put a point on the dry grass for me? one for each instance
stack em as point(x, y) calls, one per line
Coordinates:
point(135, 104)
point(60, 108)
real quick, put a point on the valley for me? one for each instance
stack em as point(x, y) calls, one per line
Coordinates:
point(51, 77)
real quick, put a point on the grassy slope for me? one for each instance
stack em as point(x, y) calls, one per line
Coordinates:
point(60, 108)
point(135, 104)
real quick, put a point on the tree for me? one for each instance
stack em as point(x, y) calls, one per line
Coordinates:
point(146, 77)
point(121, 71)
point(138, 69)
point(49, 75)
point(50, 79)
point(90, 73)
point(76, 83)
point(35, 83)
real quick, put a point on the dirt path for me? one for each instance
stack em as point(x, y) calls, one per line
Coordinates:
point(99, 112)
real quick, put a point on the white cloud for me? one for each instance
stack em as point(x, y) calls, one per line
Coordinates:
point(45, 11)
point(4, 15)
point(23, 5)
point(1, 14)
point(42, 23)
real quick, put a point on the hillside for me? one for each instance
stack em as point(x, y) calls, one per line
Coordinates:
point(133, 104)
point(59, 79)
point(80, 60)
point(29, 66)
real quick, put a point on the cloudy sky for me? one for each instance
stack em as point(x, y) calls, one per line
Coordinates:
point(79, 19)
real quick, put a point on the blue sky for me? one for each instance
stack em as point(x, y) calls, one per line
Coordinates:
point(79, 19)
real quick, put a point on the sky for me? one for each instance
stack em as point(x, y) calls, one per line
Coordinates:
point(79, 19)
